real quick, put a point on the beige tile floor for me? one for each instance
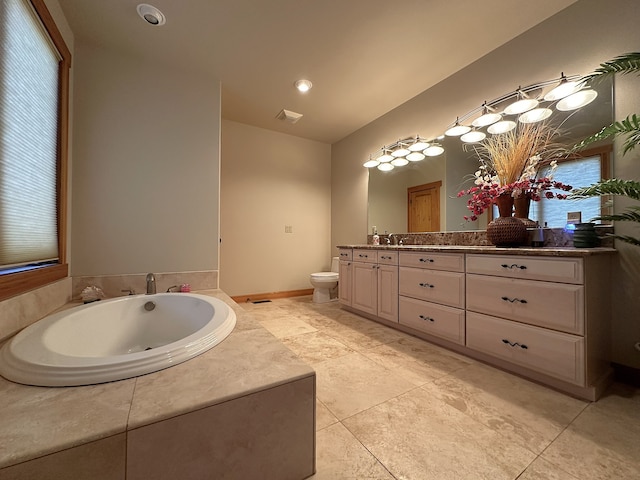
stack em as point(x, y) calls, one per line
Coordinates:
point(391, 406)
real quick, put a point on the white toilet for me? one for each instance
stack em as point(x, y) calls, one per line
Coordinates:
point(326, 283)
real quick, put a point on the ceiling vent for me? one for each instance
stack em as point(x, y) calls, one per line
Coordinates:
point(288, 116)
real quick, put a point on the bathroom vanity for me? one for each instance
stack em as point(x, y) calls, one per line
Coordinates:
point(542, 313)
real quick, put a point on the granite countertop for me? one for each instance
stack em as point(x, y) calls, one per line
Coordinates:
point(490, 249)
point(36, 421)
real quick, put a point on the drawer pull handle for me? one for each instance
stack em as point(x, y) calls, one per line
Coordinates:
point(513, 300)
point(362, 255)
point(516, 344)
point(425, 260)
point(384, 257)
point(422, 317)
point(514, 265)
point(344, 254)
point(426, 285)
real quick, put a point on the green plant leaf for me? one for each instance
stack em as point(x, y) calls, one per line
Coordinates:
point(630, 126)
point(627, 239)
point(620, 65)
point(611, 186)
point(628, 216)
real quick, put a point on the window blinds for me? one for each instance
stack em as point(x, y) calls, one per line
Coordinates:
point(28, 137)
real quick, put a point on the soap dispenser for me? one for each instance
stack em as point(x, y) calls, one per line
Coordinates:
point(376, 237)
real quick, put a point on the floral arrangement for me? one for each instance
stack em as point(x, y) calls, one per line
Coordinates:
point(510, 164)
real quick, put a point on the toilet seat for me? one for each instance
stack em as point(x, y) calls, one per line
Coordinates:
point(325, 277)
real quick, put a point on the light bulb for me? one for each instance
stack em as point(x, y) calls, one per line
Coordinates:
point(577, 100)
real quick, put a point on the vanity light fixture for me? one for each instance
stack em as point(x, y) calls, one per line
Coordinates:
point(565, 89)
point(400, 153)
point(418, 145)
point(577, 100)
point(568, 93)
point(523, 104)
point(303, 85)
point(151, 15)
point(399, 162)
point(434, 150)
point(535, 115)
point(456, 130)
point(371, 163)
point(384, 157)
point(488, 116)
point(474, 136)
point(415, 156)
point(501, 127)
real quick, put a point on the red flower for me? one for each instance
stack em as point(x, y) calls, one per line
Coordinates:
point(483, 197)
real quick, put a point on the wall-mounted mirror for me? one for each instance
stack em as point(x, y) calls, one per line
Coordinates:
point(389, 206)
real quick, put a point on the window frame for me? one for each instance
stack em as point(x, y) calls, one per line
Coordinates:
point(12, 284)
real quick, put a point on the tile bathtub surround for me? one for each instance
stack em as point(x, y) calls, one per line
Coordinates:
point(43, 428)
point(113, 285)
point(21, 311)
point(391, 406)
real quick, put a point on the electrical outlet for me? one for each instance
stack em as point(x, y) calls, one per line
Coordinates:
point(288, 229)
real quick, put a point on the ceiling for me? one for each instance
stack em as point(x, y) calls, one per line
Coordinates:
point(364, 57)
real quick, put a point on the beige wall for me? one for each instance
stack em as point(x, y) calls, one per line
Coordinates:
point(146, 166)
point(575, 41)
point(269, 180)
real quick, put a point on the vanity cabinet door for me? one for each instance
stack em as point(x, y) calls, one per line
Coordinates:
point(388, 292)
point(345, 282)
point(365, 287)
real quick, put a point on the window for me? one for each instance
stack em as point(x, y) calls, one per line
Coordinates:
point(589, 168)
point(34, 72)
point(577, 172)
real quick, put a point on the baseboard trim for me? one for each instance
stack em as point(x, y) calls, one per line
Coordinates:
point(271, 296)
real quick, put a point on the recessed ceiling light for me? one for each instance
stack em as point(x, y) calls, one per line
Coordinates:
point(303, 85)
point(151, 15)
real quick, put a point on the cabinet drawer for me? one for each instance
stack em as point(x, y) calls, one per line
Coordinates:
point(363, 255)
point(556, 354)
point(431, 318)
point(555, 305)
point(555, 269)
point(345, 254)
point(388, 257)
point(435, 286)
point(434, 261)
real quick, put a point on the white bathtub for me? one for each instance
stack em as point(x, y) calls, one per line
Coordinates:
point(115, 339)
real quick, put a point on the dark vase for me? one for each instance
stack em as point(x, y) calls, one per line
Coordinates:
point(522, 203)
point(585, 236)
point(506, 230)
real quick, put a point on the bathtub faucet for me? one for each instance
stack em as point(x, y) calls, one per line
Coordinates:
point(151, 284)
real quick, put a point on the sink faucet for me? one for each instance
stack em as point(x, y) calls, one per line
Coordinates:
point(391, 239)
point(151, 284)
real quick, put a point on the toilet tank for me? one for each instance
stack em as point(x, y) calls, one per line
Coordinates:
point(335, 264)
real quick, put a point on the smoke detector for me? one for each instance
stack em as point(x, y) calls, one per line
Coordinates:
point(288, 116)
point(151, 15)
